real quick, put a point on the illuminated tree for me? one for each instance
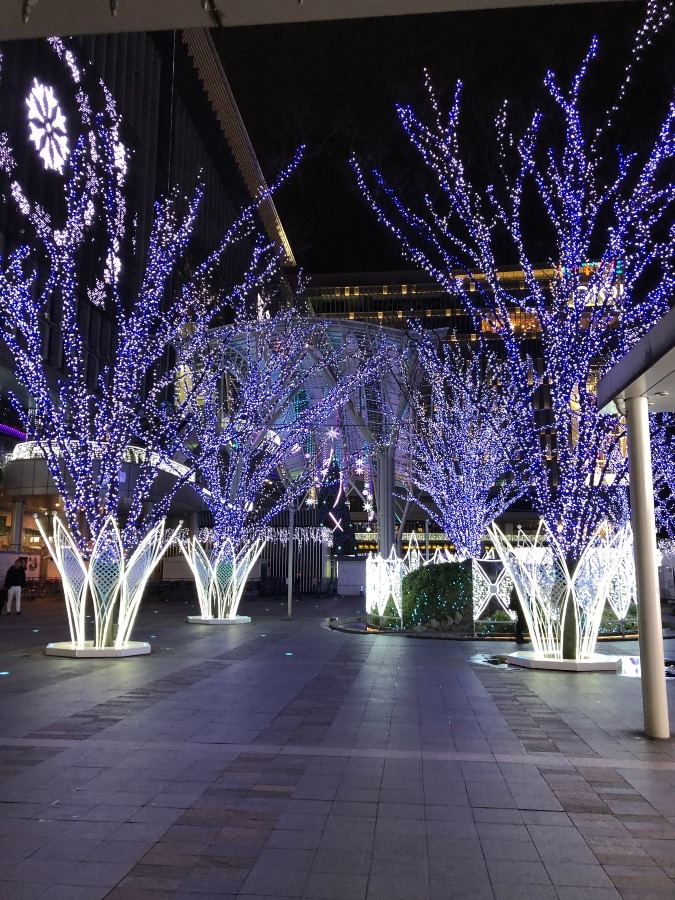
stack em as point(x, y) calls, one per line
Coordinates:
point(107, 439)
point(598, 219)
point(269, 433)
point(88, 428)
point(335, 511)
point(663, 466)
point(266, 430)
point(464, 439)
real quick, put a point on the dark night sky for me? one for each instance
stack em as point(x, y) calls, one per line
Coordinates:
point(333, 86)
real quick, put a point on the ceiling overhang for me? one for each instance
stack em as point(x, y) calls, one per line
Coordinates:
point(647, 370)
point(65, 17)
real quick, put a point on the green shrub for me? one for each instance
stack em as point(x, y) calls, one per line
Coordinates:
point(500, 615)
point(438, 592)
point(609, 624)
point(494, 627)
point(388, 619)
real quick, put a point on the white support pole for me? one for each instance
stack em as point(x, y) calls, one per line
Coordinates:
point(385, 499)
point(654, 697)
point(289, 572)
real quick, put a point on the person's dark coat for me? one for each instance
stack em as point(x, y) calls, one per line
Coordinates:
point(15, 577)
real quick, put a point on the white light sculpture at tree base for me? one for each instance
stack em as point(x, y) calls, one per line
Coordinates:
point(384, 580)
point(499, 587)
point(605, 575)
point(562, 600)
point(220, 578)
point(107, 584)
point(622, 589)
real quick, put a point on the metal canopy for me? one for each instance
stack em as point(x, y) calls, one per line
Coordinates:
point(647, 370)
point(65, 17)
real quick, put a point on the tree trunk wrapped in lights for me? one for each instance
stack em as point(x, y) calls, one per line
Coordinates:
point(87, 428)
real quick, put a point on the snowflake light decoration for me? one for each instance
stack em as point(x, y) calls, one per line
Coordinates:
point(47, 126)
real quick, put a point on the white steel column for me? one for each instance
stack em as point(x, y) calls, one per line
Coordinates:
point(654, 697)
point(385, 499)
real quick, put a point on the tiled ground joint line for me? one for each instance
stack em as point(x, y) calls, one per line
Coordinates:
point(548, 759)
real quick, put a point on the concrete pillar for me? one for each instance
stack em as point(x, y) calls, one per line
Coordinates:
point(654, 697)
point(16, 537)
point(194, 525)
point(385, 499)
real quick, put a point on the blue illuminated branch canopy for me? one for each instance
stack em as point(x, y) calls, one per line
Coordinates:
point(79, 249)
point(560, 182)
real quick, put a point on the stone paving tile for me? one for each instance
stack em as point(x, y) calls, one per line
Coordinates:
point(461, 890)
point(451, 847)
point(335, 886)
point(403, 887)
point(65, 848)
point(515, 892)
point(577, 874)
point(498, 849)
point(18, 890)
point(587, 893)
point(279, 873)
point(522, 872)
point(72, 892)
point(337, 861)
point(362, 767)
point(294, 839)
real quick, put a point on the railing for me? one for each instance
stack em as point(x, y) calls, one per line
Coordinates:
point(137, 455)
point(408, 536)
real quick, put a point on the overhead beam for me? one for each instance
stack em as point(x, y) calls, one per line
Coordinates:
point(65, 17)
point(216, 85)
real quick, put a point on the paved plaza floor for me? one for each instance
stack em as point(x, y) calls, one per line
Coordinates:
point(283, 759)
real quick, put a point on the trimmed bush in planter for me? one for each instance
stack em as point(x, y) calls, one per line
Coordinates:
point(497, 624)
point(439, 597)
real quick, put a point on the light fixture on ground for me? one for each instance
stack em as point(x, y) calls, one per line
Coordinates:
point(105, 583)
point(220, 577)
point(562, 600)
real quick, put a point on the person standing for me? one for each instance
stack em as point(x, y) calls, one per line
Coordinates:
point(15, 579)
point(516, 606)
